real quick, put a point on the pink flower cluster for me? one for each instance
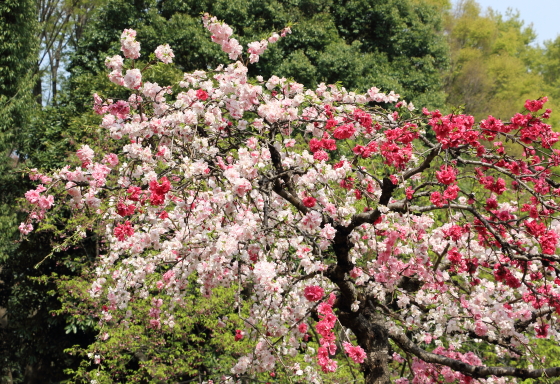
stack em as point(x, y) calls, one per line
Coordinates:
point(165, 54)
point(114, 63)
point(255, 49)
point(220, 35)
point(129, 46)
point(356, 353)
point(313, 293)
point(43, 202)
point(324, 328)
point(426, 373)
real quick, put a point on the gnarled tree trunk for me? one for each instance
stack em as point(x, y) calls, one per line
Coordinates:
point(372, 336)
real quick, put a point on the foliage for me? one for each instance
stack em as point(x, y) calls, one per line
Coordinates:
point(61, 26)
point(200, 344)
point(394, 44)
point(18, 50)
point(494, 67)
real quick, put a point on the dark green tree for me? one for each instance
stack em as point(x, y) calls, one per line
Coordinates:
point(18, 55)
point(32, 341)
point(392, 44)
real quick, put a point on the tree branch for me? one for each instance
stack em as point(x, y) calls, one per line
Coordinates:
point(471, 370)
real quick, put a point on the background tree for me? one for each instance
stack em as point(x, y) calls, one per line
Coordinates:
point(32, 339)
point(494, 67)
point(62, 23)
point(335, 40)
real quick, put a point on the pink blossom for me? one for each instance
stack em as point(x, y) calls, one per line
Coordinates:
point(85, 153)
point(120, 109)
point(398, 358)
point(241, 186)
point(129, 45)
point(111, 159)
point(133, 79)
point(167, 276)
point(256, 48)
point(114, 63)
point(25, 228)
point(45, 202)
point(116, 77)
point(356, 272)
point(324, 361)
point(165, 53)
point(311, 220)
point(480, 328)
point(33, 195)
point(356, 353)
point(321, 156)
point(328, 232)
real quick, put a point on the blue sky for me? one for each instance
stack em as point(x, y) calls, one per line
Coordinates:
point(544, 14)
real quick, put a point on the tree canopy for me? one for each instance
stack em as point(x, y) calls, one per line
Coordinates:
point(50, 319)
point(342, 221)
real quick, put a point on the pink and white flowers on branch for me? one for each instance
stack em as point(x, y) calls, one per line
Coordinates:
point(221, 33)
point(297, 193)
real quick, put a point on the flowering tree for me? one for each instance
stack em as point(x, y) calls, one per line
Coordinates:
point(416, 234)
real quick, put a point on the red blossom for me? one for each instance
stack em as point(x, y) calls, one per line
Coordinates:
point(201, 94)
point(159, 190)
point(315, 145)
point(313, 293)
point(535, 105)
point(541, 331)
point(344, 131)
point(309, 201)
point(446, 175)
point(238, 334)
point(125, 210)
point(123, 231)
